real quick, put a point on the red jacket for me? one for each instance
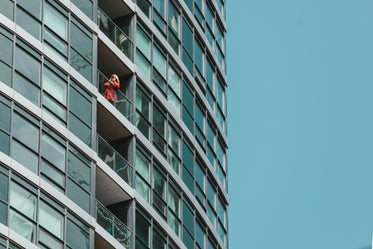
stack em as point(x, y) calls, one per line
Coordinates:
point(110, 93)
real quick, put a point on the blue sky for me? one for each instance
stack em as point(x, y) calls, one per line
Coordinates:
point(300, 123)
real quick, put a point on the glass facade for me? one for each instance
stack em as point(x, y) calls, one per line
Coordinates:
point(86, 163)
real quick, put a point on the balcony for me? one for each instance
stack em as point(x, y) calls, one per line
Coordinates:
point(114, 160)
point(114, 226)
point(115, 34)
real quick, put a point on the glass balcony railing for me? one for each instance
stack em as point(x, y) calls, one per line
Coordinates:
point(121, 102)
point(113, 225)
point(115, 34)
point(114, 160)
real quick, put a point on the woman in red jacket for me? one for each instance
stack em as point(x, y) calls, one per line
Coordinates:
point(111, 86)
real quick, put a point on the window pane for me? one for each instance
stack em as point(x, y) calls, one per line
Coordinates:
point(187, 38)
point(142, 103)
point(81, 65)
point(174, 102)
point(188, 240)
point(173, 18)
point(27, 89)
point(85, 6)
point(188, 180)
point(173, 201)
point(28, 23)
point(200, 235)
point(142, 125)
point(5, 73)
point(53, 174)
point(159, 61)
point(7, 8)
point(142, 228)
point(199, 58)
point(54, 109)
point(55, 43)
point(174, 42)
point(55, 20)
point(144, 5)
point(54, 85)
point(81, 42)
point(22, 226)
point(174, 139)
point(188, 218)
point(4, 143)
point(4, 117)
point(143, 42)
point(4, 188)
point(142, 188)
point(80, 130)
point(174, 223)
point(143, 64)
point(53, 151)
point(211, 193)
point(24, 131)
point(142, 165)
point(159, 183)
point(78, 195)
point(24, 156)
point(79, 171)
point(174, 161)
point(27, 65)
point(200, 176)
point(158, 241)
point(159, 121)
point(6, 52)
point(80, 106)
point(76, 237)
point(34, 7)
point(159, 5)
point(174, 80)
point(51, 220)
point(22, 200)
point(188, 99)
point(3, 214)
point(49, 241)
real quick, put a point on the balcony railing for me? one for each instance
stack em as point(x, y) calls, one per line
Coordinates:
point(115, 34)
point(114, 160)
point(113, 225)
point(121, 102)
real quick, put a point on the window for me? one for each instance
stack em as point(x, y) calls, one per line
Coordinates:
point(76, 237)
point(55, 21)
point(51, 220)
point(53, 151)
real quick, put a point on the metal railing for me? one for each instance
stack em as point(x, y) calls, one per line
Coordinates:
point(114, 160)
point(113, 225)
point(115, 34)
point(121, 102)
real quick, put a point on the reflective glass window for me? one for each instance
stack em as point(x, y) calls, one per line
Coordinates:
point(54, 85)
point(142, 188)
point(4, 117)
point(27, 65)
point(188, 217)
point(80, 106)
point(188, 99)
point(53, 151)
point(22, 226)
point(159, 183)
point(51, 220)
point(28, 23)
point(143, 42)
point(34, 7)
point(174, 80)
point(160, 6)
point(4, 188)
point(24, 156)
point(55, 20)
point(159, 61)
point(26, 88)
point(81, 42)
point(187, 38)
point(142, 165)
point(25, 131)
point(49, 241)
point(188, 240)
point(22, 200)
point(173, 17)
point(143, 64)
point(174, 102)
point(144, 5)
point(173, 201)
point(78, 195)
point(79, 172)
point(142, 228)
point(80, 130)
point(81, 65)
point(4, 142)
point(7, 8)
point(3, 213)
point(199, 57)
point(76, 237)
point(142, 102)
point(200, 235)
point(5, 74)
point(6, 52)
point(174, 139)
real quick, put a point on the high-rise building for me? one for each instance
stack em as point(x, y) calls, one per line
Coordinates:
point(113, 124)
